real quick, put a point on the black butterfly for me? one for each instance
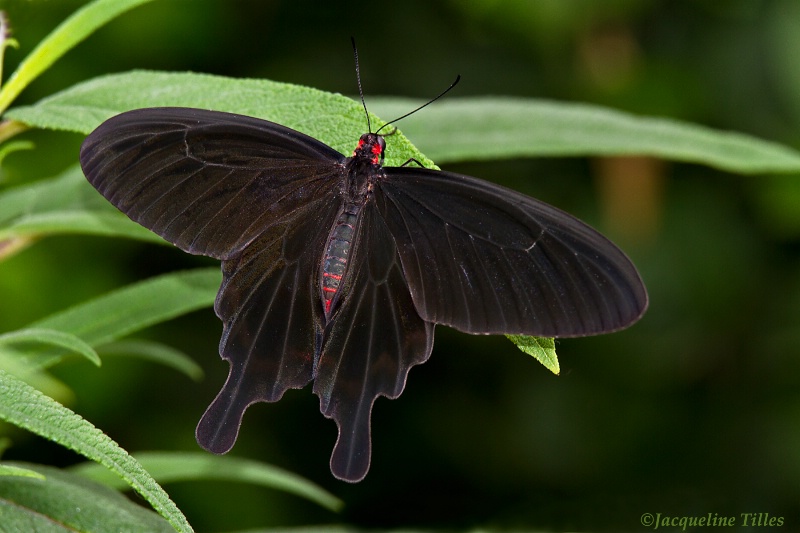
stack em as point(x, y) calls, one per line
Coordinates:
point(335, 269)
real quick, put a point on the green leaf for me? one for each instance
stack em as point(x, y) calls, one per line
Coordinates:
point(461, 129)
point(50, 336)
point(332, 118)
point(68, 34)
point(11, 470)
point(168, 467)
point(121, 312)
point(10, 148)
point(27, 408)
point(16, 361)
point(156, 352)
point(542, 349)
point(5, 40)
point(451, 130)
point(64, 502)
point(61, 205)
point(9, 128)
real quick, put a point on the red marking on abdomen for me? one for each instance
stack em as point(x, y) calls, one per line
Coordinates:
point(337, 252)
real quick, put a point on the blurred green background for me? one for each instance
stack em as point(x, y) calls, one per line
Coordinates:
point(694, 410)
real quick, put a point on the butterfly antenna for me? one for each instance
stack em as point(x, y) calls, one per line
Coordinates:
point(429, 102)
point(358, 78)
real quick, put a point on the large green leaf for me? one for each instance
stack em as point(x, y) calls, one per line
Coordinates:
point(27, 408)
point(452, 130)
point(334, 119)
point(461, 129)
point(63, 502)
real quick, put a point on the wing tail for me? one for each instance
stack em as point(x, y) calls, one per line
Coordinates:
point(375, 338)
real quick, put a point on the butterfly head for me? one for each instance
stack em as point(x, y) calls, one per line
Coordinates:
point(371, 147)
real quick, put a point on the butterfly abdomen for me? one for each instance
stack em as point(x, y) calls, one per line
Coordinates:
point(336, 256)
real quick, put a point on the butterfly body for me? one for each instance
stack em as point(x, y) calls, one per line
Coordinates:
point(337, 254)
point(361, 171)
point(336, 269)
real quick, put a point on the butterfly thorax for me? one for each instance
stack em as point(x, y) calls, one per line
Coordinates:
point(363, 166)
point(370, 147)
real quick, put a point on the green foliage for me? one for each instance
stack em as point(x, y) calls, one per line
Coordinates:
point(71, 32)
point(132, 308)
point(52, 336)
point(24, 406)
point(43, 498)
point(155, 352)
point(61, 205)
point(11, 470)
point(543, 350)
point(169, 467)
point(337, 120)
point(455, 130)
point(464, 129)
point(57, 501)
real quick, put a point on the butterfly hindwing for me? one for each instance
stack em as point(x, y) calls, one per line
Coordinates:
point(375, 337)
point(272, 316)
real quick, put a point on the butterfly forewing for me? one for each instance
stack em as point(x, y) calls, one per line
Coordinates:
point(209, 182)
point(486, 259)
